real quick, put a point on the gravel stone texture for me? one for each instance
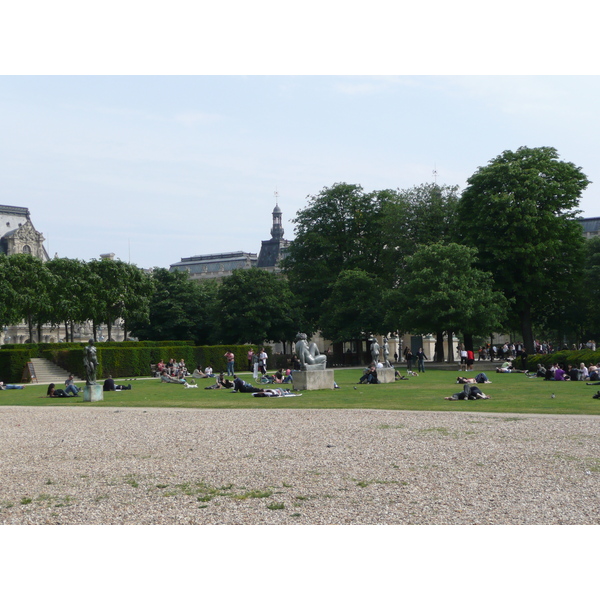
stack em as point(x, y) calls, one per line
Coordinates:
point(96, 465)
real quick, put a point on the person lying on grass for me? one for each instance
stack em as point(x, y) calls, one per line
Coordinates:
point(470, 392)
point(239, 385)
point(10, 386)
point(109, 385)
point(52, 392)
point(507, 367)
point(166, 378)
point(480, 378)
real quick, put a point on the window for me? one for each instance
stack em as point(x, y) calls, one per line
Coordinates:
point(26, 249)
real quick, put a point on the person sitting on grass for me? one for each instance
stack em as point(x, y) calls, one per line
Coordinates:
point(220, 383)
point(10, 386)
point(560, 374)
point(239, 385)
point(470, 392)
point(52, 392)
point(109, 385)
point(370, 375)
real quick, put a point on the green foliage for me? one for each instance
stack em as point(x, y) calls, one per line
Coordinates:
point(12, 363)
point(442, 290)
point(178, 309)
point(564, 357)
point(339, 230)
point(413, 217)
point(255, 306)
point(519, 212)
point(353, 309)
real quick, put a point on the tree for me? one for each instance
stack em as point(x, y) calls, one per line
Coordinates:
point(442, 290)
point(123, 292)
point(590, 315)
point(8, 313)
point(412, 217)
point(416, 216)
point(339, 230)
point(354, 308)
point(519, 212)
point(257, 306)
point(31, 282)
point(179, 309)
point(70, 293)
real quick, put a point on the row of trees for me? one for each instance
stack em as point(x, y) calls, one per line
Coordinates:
point(66, 291)
point(507, 254)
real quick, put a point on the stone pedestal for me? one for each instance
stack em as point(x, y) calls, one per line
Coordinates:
point(313, 380)
point(93, 393)
point(386, 375)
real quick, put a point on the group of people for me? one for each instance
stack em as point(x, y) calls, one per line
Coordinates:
point(72, 391)
point(557, 372)
point(175, 369)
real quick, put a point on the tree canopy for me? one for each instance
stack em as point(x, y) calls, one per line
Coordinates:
point(519, 212)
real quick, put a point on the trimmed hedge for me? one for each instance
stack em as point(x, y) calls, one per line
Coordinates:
point(125, 359)
point(566, 357)
point(12, 363)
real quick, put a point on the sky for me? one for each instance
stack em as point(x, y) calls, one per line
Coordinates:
point(156, 168)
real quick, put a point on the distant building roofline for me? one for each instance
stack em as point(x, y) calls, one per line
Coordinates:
point(14, 210)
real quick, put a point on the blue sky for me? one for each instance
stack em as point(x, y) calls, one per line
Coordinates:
point(155, 168)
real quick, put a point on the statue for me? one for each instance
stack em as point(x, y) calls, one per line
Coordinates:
point(386, 353)
point(375, 351)
point(90, 362)
point(309, 356)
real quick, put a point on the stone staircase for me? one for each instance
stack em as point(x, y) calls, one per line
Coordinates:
point(47, 372)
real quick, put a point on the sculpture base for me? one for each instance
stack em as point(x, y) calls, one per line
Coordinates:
point(318, 367)
point(93, 393)
point(313, 380)
point(386, 375)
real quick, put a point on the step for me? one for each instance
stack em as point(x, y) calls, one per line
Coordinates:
point(47, 372)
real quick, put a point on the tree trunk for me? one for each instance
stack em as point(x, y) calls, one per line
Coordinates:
point(468, 337)
point(527, 329)
point(39, 332)
point(30, 327)
point(450, 348)
point(67, 331)
point(94, 330)
point(108, 329)
point(439, 346)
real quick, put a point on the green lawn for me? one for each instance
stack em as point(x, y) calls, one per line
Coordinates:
point(509, 392)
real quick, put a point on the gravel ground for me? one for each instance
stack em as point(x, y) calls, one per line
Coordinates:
point(84, 465)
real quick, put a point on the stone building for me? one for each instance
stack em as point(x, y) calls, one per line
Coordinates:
point(591, 227)
point(18, 235)
point(217, 266)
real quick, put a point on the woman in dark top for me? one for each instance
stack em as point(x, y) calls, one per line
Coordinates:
point(54, 393)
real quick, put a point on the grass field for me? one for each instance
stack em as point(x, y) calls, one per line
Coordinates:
point(511, 393)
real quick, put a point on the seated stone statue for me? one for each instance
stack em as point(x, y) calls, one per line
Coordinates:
point(309, 356)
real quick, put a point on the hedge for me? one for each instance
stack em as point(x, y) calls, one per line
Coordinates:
point(12, 363)
point(126, 359)
point(564, 357)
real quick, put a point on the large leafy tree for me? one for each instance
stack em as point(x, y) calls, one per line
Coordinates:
point(257, 306)
point(339, 230)
point(179, 309)
point(416, 216)
point(590, 315)
point(519, 212)
point(442, 289)
point(354, 307)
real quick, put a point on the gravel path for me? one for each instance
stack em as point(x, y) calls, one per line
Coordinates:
point(95, 465)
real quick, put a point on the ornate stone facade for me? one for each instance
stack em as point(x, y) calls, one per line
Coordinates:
point(18, 235)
